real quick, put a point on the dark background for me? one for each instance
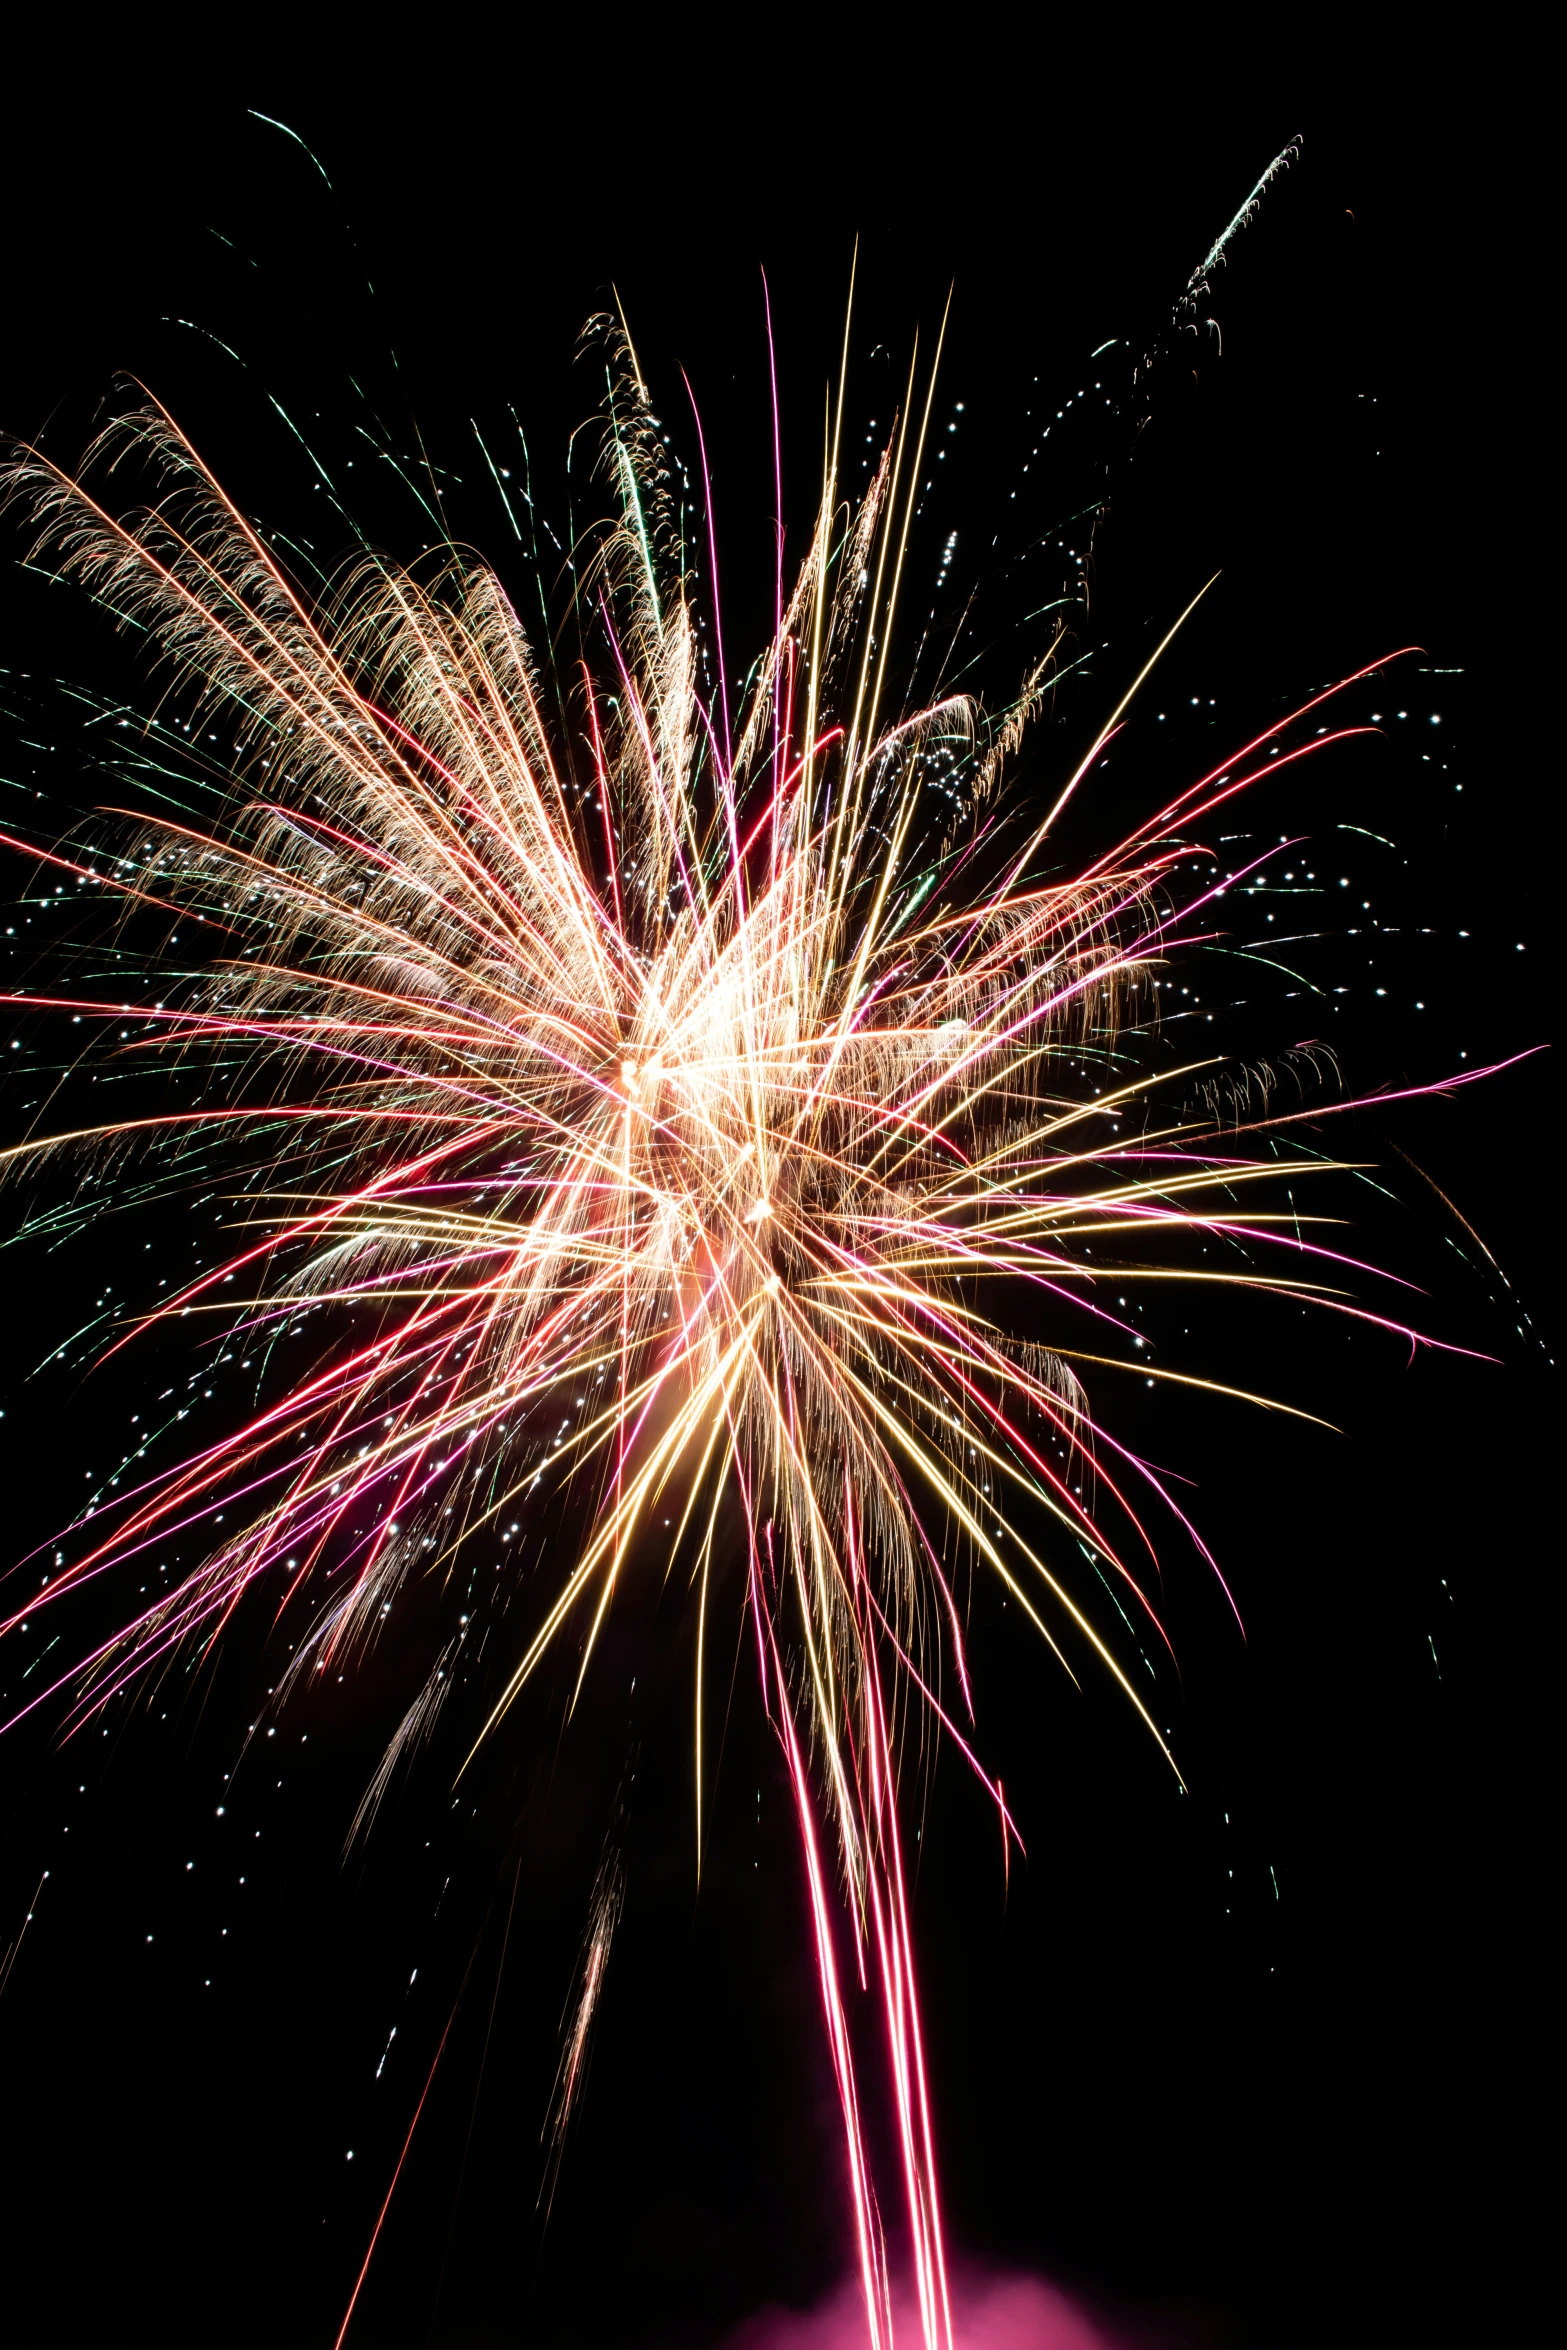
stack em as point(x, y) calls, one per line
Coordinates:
point(1257, 2065)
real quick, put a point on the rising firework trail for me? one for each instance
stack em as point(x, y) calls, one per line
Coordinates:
point(707, 1107)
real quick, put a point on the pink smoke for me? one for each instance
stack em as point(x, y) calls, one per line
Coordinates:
point(997, 2313)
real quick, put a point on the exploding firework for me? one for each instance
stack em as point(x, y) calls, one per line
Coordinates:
point(713, 1115)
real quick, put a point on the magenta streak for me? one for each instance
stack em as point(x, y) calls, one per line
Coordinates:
point(322, 1218)
point(125, 888)
point(1073, 1506)
point(1009, 1824)
point(474, 869)
point(904, 2029)
point(1158, 823)
point(454, 844)
point(634, 703)
point(610, 851)
point(292, 1410)
point(712, 549)
point(878, 2314)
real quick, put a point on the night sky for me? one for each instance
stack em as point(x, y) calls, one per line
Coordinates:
point(1237, 2068)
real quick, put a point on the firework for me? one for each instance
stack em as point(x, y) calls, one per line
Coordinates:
point(685, 1103)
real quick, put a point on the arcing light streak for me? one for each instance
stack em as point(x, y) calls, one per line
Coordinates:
point(680, 1119)
point(604, 1908)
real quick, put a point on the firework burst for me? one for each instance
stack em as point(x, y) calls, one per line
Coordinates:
point(681, 1106)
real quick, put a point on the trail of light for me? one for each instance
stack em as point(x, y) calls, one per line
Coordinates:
point(375, 2233)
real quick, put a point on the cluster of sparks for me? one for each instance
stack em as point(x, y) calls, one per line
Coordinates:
point(681, 1117)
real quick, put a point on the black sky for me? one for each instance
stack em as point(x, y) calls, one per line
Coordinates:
point(1246, 2064)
